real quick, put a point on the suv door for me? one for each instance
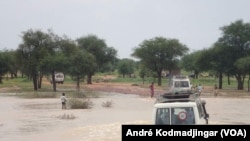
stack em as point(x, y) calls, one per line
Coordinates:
point(203, 116)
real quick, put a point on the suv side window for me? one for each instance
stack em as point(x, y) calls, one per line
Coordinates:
point(162, 116)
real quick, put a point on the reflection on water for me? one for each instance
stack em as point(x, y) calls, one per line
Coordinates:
point(29, 119)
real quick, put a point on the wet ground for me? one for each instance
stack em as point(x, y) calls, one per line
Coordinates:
point(42, 119)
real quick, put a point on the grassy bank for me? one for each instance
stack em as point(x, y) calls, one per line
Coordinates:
point(22, 84)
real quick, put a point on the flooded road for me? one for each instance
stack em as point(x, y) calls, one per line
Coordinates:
point(228, 110)
point(41, 119)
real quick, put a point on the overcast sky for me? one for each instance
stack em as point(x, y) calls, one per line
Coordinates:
point(123, 24)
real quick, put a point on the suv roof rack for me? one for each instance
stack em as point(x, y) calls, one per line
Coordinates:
point(180, 77)
point(179, 97)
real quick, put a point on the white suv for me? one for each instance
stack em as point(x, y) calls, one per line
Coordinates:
point(179, 109)
point(179, 84)
point(59, 78)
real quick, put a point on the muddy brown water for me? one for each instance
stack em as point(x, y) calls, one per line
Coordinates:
point(41, 119)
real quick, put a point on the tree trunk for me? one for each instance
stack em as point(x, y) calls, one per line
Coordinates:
point(29, 77)
point(248, 84)
point(220, 80)
point(40, 81)
point(89, 79)
point(78, 83)
point(15, 74)
point(240, 80)
point(196, 74)
point(53, 82)
point(240, 84)
point(159, 78)
point(228, 79)
point(143, 79)
point(11, 75)
point(34, 78)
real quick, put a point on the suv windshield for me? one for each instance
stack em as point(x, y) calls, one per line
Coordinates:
point(175, 116)
point(181, 84)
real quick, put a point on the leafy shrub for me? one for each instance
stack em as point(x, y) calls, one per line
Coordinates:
point(75, 103)
point(107, 103)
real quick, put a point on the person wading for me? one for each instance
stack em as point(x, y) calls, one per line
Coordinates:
point(63, 100)
point(151, 87)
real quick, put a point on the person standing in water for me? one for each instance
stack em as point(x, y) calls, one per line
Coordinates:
point(152, 89)
point(63, 100)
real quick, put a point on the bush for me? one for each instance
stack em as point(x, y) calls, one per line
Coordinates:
point(75, 103)
point(107, 103)
point(66, 116)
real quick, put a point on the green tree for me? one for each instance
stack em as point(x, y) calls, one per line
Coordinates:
point(189, 63)
point(236, 44)
point(82, 63)
point(219, 61)
point(12, 62)
point(126, 67)
point(52, 64)
point(58, 61)
point(158, 54)
point(3, 65)
point(36, 46)
point(143, 72)
point(243, 64)
point(98, 48)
